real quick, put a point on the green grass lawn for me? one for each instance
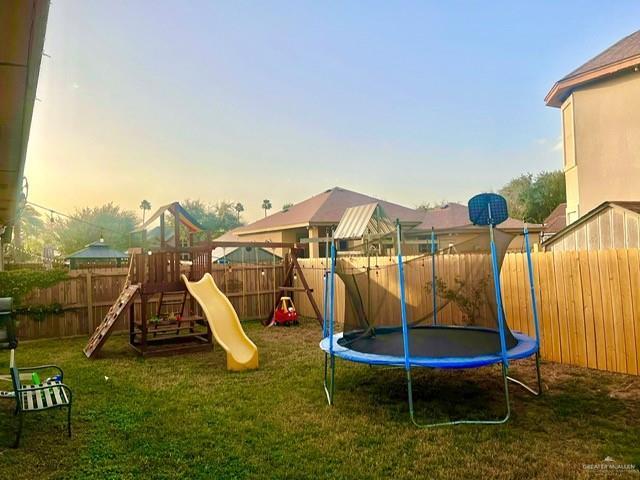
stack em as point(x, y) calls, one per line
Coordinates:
point(187, 417)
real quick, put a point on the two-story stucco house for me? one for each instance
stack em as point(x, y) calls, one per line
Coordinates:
point(600, 106)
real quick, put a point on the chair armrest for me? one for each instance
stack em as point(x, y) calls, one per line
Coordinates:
point(42, 367)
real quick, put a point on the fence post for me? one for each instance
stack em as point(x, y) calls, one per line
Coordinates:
point(90, 302)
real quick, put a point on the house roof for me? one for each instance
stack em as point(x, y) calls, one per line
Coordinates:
point(97, 249)
point(631, 206)
point(556, 220)
point(455, 215)
point(623, 55)
point(327, 208)
point(231, 236)
point(22, 31)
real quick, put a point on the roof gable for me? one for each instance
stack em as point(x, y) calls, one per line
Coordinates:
point(364, 220)
point(622, 55)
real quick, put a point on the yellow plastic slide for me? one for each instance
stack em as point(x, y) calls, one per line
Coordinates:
point(242, 354)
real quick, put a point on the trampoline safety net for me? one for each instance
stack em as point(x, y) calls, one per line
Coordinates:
point(450, 297)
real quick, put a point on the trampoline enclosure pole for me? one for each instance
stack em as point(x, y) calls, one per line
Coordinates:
point(325, 295)
point(332, 282)
point(433, 276)
point(330, 388)
point(403, 304)
point(498, 289)
point(534, 307)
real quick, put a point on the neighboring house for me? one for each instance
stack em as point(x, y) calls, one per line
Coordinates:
point(600, 104)
point(97, 254)
point(452, 225)
point(317, 216)
point(609, 225)
point(555, 222)
point(242, 254)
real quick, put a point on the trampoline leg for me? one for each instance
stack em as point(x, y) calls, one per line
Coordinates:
point(329, 386)
point(505, 379)
point(538, 379)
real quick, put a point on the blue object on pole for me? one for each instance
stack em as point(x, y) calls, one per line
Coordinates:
point(488, 209)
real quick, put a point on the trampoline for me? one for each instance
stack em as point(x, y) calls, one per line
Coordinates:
point(441, 309)
point(448, 347)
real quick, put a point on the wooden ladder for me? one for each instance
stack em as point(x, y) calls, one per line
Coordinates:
point(101, 333)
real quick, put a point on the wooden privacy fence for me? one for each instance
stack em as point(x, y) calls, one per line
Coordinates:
point(86, 297)
point(588, 301)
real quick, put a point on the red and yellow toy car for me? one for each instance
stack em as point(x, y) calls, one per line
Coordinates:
point(285, 314)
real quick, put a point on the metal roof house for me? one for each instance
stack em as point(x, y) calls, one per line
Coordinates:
point(97, 254)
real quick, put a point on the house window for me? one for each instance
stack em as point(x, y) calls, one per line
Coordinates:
point(568, 137)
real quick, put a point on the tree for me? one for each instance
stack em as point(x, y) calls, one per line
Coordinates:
point(218, 217)
point(515, 192)
point(266, 205)
point(144, 206)
point(287, 206)
point(89, 224)
point(30, 232)
point(426, 206)
point(531, 198)
point(239, 208)
point(226, 215)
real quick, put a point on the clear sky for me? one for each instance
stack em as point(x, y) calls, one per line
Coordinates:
point(238, 100)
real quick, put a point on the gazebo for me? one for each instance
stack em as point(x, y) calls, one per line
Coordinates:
point(97, 254)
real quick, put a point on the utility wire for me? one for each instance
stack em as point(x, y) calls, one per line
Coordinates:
point(75, 219)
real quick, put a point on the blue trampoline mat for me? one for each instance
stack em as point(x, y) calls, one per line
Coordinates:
point(525, 347)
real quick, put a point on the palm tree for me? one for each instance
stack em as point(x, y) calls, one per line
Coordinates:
point(239, 208)
point(144, 206)
point(266, 205)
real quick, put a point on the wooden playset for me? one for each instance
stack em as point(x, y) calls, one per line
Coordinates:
point(176, 325)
